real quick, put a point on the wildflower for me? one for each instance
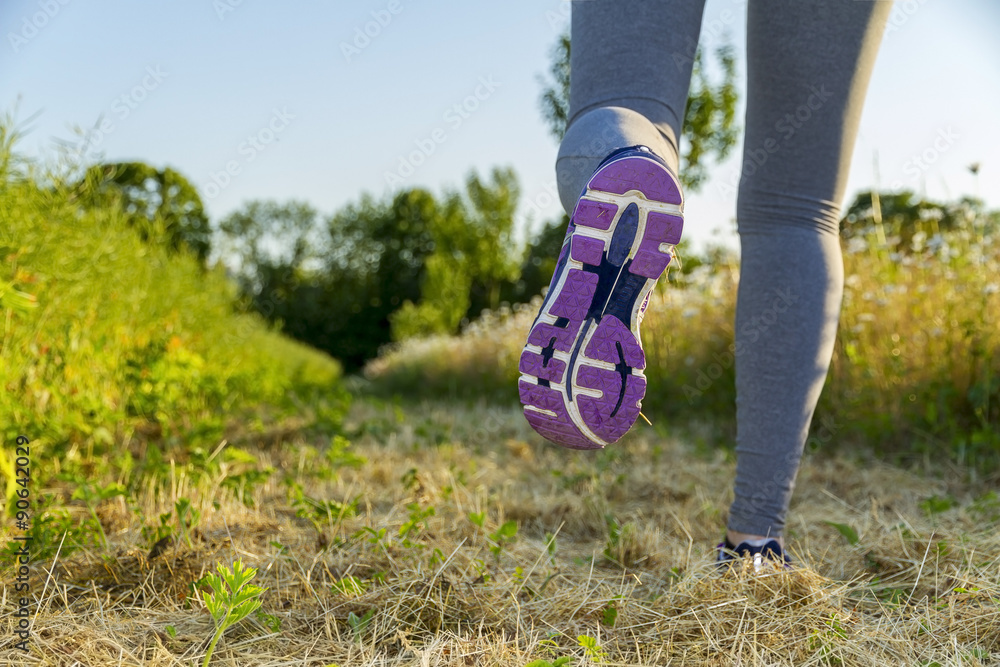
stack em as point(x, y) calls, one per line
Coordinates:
point(856, 245)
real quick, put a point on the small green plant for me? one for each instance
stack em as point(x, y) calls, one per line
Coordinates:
point(822, 641)
point(359, 624)
point(550, 548)
point(187, 519)
point(318, 512)
point(349, 586)
point(154, 534)
point(558, 662)
point(270, 621)
point(243, 484)
point(846, 531)
point(416, 522)
point(409, 479)
point(92, 496)
point(591, 648)
point(937, 505)
point(502, 536)
point(609, 615)
point(338, 454)
point(373, 536)
point(234, 598)
point(623, 546)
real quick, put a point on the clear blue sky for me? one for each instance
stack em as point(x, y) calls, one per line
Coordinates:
point(267, 89)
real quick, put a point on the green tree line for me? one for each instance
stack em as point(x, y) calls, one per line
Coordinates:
point(409, 264)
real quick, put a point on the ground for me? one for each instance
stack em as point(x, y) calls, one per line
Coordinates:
point(464, 539)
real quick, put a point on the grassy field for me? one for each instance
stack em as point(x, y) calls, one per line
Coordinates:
point(172, 434)
point(915, 371)
point(451, 535)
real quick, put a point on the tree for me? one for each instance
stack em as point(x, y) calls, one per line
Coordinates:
point(474, 257)
point(154, 197)
point(376, 263)
point(264, 235)
point(538, 262)
point(709, 118)
point(489, 238)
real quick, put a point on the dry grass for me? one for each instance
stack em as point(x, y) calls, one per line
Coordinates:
point(916, 589)
point(916, 367)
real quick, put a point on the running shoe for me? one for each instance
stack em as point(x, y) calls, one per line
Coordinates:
point(582, 380)
point(763, 555)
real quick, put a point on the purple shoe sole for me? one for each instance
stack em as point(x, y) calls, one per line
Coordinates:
point(582, 378)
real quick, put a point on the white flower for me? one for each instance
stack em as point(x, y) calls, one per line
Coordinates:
point(856, 245)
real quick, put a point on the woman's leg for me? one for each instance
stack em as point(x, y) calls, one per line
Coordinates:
point(630, 72)
point(808, 67)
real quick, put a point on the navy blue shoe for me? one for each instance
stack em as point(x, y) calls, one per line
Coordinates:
point(769, 553)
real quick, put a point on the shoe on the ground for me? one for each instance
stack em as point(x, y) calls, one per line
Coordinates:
point(763, 555)
point(582, 378)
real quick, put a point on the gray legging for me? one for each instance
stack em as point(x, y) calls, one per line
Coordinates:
point(808, 66)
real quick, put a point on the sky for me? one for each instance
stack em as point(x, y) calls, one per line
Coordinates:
point(322, 101)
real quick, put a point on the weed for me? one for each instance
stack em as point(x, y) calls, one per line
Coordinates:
point(937, 505)
point(338, 454)
point(558, 662)
point(271, 622)
point(359, 624)
point(591, 649)
point(319, 512)
point(624, 545)
point(501, 537)
point(846, 531)
point(416, 522)
point(187, 519)
point(349, 586)
point(609, 615)
point(233, 598)
point(93, 496)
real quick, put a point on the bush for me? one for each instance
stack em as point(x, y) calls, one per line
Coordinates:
point(110, 340)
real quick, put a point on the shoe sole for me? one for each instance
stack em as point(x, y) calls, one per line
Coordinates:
point(582, 380)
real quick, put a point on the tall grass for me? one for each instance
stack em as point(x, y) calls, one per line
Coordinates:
point(916, 368)
point(112, 346)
